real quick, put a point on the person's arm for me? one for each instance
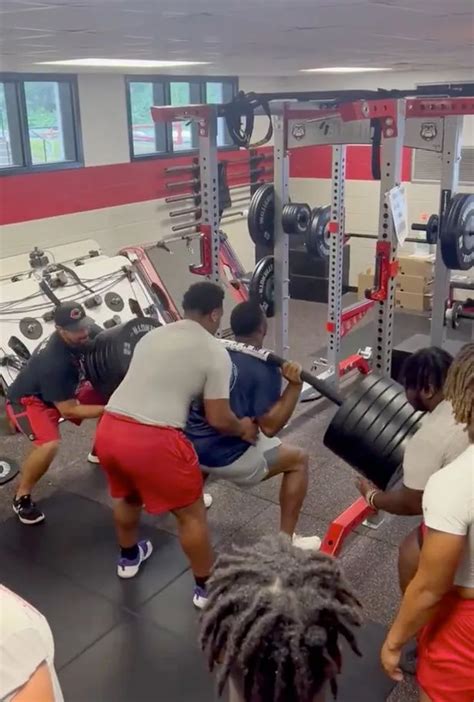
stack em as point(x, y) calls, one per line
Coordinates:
point(402, 501)
point(216, 400)
point(273, 421)
point(72, 409)
point(439, 560)
point(39, 687)
point(446, 516)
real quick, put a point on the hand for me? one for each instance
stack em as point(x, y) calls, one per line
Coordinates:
point(390, 657)
point(291, 371)
point(249, 430)
point(364, 486)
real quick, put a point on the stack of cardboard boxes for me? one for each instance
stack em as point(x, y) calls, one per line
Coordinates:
point(414, 283)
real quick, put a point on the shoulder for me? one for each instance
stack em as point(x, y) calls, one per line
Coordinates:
point(17, 614)
point(454, 481)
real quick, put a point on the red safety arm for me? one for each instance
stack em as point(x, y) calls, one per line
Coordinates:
point(384, 270)
point(343, 525)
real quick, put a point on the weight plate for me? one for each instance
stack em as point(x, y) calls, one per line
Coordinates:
point(336, 426)
point(261, 285)
point(296, 218)
point(317, 237)
point(386, 437)
point(452, 314)
point(432, 227)
point(31, 328)
point(408, 420)
point(261, 215)
point(9, 468)
point(114, 301)
point(457, 233)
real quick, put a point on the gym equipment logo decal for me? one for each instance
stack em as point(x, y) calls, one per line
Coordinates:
point(428, 131)
point(298, 131)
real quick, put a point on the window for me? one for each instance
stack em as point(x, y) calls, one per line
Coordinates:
point(150, 139)
point(38, 122)
point(427, 166)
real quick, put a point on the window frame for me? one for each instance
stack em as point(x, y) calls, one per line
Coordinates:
point(165, 81)
point(19, 80)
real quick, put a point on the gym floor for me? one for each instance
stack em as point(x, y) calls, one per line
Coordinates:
point(134, 641)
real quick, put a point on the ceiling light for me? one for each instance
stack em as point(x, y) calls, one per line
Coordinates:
point(345, 69)
point(122, 63)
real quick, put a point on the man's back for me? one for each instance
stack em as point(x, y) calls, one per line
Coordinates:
point(170, 367)
point(254, 387)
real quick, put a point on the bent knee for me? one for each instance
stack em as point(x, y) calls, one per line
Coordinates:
point(50, 447)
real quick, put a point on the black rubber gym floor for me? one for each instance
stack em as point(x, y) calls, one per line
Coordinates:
point(135, 641)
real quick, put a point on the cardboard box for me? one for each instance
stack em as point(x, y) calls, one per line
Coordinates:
point(413, 284)
point(422, 266)
point(364, 281)
point(415, 302)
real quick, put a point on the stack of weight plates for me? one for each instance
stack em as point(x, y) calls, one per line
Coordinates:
point(371, 428)
point(108, 359)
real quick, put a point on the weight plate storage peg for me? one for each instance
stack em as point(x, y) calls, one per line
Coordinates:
point(317, 237)
point(296, 218)
point(261, 216)
point(261, 285)
point(457, 233)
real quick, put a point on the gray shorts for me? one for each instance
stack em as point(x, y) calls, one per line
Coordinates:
point(252, 467)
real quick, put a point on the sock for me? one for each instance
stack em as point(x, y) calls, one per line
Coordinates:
point(131, 554)
point(201, 582)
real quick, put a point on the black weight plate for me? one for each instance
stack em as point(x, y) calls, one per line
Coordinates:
point(405, 428)
point(296, 218)
point(9, 468)
point(261, 215)
point(261, 285)
point(366, 402)
point(457, 234)
point(377, 417)
point(318, 242)
point(31, 328)
point(114, 301)
point(387, 436)
point(335, 428)
point(432, 227)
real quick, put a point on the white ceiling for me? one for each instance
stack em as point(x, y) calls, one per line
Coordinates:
point(242, 37)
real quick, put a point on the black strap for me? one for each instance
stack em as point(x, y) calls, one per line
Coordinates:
point(49, 293)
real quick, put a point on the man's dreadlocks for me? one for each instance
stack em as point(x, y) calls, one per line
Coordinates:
point(273, 618)
point(426, 369)
point(459, 387)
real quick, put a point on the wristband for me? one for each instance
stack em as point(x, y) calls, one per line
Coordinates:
point(370, 496)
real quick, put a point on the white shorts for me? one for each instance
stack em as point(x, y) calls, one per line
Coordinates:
point(252, 466)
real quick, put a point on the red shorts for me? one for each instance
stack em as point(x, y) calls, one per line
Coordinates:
point(158, 464)
point(40, 422)
point(446, 652)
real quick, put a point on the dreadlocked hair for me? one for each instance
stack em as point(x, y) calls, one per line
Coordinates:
point(459, 387)
point(272, 620)
point(426, 369)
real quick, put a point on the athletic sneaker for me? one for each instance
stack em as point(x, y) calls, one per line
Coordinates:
point(27, 511)
point(127, 568)
point(92, 458)
point(199, 597)
point(208, 500)
point(307, 543)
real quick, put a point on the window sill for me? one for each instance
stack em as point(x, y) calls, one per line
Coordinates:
point(40, 168)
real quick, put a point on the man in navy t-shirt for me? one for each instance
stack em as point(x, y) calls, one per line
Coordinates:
point(256, 391)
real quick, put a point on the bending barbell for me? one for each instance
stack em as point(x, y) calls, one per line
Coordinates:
point(372, 425)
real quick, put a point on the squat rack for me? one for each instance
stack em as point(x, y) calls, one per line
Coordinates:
point(420, 123)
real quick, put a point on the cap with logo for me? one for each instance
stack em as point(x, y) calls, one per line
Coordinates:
point(71, 316)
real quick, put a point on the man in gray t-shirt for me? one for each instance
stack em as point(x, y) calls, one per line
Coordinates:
point(438, 441)
point(140, 440)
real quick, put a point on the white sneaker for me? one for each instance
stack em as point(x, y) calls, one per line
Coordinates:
point(127, 568)
point(92, 458)
point(307, 543)
point(208, 500)
point(199, 597)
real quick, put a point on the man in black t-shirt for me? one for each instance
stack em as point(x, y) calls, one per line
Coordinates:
point(49, 387)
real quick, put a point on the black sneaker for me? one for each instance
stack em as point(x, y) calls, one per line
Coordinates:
point(27, 511)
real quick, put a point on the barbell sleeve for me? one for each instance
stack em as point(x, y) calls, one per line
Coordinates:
point(182, 198)
point(418, 227)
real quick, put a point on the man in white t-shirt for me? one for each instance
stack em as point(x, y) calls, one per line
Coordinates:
point(26, 652)
point(438, 605)
point(438, 441)
point(140, 439)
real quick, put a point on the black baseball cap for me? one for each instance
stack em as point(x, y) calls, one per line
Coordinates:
point(71, 316)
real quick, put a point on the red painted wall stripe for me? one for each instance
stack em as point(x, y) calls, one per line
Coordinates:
point(50, 194)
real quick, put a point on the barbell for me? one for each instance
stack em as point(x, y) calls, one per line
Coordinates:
point(371, 426)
